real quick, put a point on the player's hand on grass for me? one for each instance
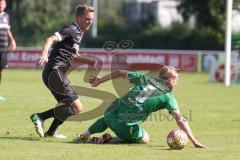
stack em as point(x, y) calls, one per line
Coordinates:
point(94, 81)
point(198, 145)
point(43, 59)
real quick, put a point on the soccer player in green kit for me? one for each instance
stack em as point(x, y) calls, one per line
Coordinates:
point(147, 95)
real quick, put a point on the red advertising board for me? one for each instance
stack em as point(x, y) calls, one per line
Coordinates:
point(145, 59)
point(23, 58)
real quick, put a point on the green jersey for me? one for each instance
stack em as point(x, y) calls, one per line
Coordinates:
point(146, 96)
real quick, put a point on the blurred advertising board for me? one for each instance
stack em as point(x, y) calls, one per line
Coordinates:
point(217, 71)
point(146, 59)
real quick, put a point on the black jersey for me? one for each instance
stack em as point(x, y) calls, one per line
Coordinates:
point(70, 38)
point(4, 26)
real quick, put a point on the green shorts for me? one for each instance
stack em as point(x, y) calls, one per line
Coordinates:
point(130, 134)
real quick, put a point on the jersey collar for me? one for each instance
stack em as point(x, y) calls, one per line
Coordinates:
point(78, 27)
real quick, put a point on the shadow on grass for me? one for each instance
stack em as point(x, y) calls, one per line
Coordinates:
point(47, 140)
point(156, 147)
point(236, 120)
point(79, 142)
point(33, 138)
point(27, 138)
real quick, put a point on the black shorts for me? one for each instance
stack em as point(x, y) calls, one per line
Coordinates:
point(3, 59)
point(55, 79)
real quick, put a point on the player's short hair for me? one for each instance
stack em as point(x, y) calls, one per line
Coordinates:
point(82, 8)
point(167, 72)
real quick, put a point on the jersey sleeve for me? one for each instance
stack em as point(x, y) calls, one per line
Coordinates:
point(166, 101)
point(63, 33)
point(69, 32)
point(4, 21)
point(171, 102)
point(134, 77)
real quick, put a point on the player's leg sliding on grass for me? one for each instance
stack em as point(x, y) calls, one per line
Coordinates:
point(64, 53)
point(100, 126)
point(148, 94)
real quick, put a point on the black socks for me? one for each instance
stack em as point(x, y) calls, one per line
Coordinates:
point(60, 114)
point(47, 114)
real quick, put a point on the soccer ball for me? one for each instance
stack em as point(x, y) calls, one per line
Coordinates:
point(177, 139)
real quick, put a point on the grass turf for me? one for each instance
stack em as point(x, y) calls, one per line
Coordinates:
point(211, 108)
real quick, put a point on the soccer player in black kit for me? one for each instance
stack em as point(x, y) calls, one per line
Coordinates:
point(64, 52)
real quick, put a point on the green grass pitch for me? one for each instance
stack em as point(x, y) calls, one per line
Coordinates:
point(212, 109)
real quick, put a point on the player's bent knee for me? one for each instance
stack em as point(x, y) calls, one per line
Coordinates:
point(146, 138)
point(77, 106)
point(145, 141)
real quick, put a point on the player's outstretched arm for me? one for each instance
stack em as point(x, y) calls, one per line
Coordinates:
point(183, 124)
point(81, 59)
point(95, 81)
point(46, 46)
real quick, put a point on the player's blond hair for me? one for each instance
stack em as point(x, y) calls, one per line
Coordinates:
point(82, 8)
point(167, 73)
